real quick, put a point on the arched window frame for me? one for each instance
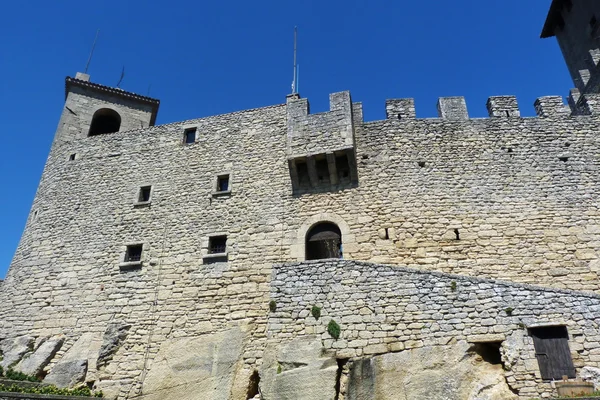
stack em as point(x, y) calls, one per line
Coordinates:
point(113, 120)
point(324, 240)
point(298, 249)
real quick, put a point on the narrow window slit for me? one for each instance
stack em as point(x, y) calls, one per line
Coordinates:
point(457, 234)
point(387, 234)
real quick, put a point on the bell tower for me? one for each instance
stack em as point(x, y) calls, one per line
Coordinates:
point(92, 109)
point(576, 26)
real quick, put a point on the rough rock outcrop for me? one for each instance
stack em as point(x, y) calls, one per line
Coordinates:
point(298, 370)
point(591, 374)
point(73, 366)
point(14, 349)
point(114, 336)
point(197, 368)
point(67, 373)
point(432, 373)
point(34, 363)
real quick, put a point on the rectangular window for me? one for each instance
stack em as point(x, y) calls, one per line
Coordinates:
point(190, 136)
point(217, 244)
point(552, 352)
point(134, 253)
point(144, 195)
point(72, 157)
point(222, 183)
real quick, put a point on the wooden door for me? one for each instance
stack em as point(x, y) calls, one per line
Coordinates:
point(552, 352)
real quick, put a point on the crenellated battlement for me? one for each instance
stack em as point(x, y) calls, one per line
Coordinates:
point(455, 108)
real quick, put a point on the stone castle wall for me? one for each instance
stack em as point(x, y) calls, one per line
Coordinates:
point(384, 309)
point(520, 191)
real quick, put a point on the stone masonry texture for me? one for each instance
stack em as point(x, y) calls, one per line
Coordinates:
point(520, 192)
point(445, 224)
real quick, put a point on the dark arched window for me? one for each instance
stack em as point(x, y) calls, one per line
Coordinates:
point(104, 121)
point(324, 240)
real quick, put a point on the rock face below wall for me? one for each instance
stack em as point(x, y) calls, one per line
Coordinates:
point(198, 368)
point(298, 370)
point(433, 373)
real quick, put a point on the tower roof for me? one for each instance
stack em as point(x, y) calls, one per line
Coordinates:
point(553, 19)
point(74, 82)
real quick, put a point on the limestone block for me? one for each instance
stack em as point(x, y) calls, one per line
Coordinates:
point(298, 370)
point(67, 373)
point(433, 373)
point(14, 349)
point(591, 374)
point(114, 336)
point(72, 368)
point(196, 368)
point(35, 362)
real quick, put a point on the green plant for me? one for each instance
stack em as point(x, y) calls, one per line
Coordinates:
point(509, 311)
point(333, 329)
point(316, 312)
point(272, 306)
point(521, 325)
point(279, 368)
point(19, 376)
point(453, 286)
point(1, 371)
point(50, 389)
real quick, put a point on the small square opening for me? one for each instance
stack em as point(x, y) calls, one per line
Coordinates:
point(223, 183)
point(134, 253)
point(72, 157)
point(144, 195)
point(217, 244)
point(190, 136)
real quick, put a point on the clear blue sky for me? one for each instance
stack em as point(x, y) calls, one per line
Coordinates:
point(207, 57)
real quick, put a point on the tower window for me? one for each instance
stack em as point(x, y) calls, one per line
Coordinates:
point(105, 121)
point(144, 195)
point(217, 244)
point(134, 253)
point(190, 136)
point(223, 183)
point(72, 157)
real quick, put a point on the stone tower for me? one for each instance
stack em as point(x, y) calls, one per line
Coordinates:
point(92, 109)
point(576, 25)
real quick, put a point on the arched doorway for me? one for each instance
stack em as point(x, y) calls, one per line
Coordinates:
point(105, 121)
point(324, 240)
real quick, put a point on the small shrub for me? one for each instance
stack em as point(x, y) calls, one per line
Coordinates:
point(1, 371)
point(316, 312)
point(272, 306)
point(51, 389)
point(279, 368)
point(509, 311)
point(333, 329)
point(453, 286)
point(19, 376)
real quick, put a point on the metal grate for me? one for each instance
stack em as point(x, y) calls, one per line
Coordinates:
point(134, 253)
point(217, 244)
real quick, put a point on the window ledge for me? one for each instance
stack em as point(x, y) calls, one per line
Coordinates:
point(142, 203)
point(215, 255)
point(224, 193)
point(129, 265)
